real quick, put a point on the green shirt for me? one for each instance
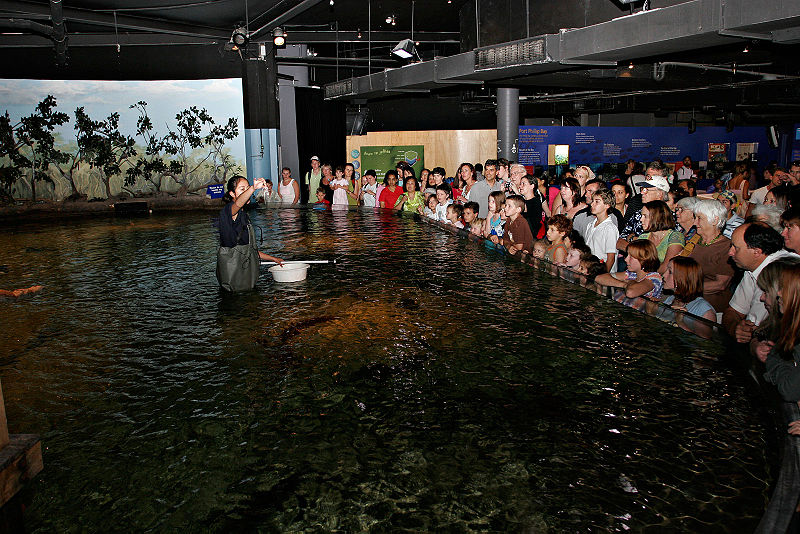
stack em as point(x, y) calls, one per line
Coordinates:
point(412, 203)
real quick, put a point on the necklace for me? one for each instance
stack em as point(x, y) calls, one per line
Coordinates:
point(710, 242)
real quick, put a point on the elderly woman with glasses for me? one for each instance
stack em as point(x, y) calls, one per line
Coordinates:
point(684, 217)
point(709, 248)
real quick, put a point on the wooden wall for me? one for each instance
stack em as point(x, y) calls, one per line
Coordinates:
point(443, 148)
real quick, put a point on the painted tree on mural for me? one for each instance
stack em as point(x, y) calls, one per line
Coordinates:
point(30, 145)
point(196, 141)
point(189, 155)
point(101, 145)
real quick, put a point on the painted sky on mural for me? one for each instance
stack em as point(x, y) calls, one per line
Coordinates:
point(222, 98)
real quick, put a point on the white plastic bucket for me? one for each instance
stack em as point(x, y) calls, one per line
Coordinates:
point(289, 272)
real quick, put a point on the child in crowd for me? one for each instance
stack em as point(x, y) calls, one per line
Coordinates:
point(430, 207)
point(268, 194)
point(558, 227)
point(470, 213)
point(444, 200)
point(540, 249)
point(641, 278)
point(601, 233)
point(339, 186)
point(591, 266)
point(576, 247)
point(517, 235)
point(322, 203)
point(454, 212)
point(494, 221)
point(369, 191)
point(684, 277)
point(476, 227)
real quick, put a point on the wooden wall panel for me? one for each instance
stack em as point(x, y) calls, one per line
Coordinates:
point(443, 148)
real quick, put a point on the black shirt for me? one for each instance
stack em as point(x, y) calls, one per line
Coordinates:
point(230, 229)
point(533, 214)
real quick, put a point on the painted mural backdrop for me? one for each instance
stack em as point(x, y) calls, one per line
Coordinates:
point(87, 140)
point(556, 145)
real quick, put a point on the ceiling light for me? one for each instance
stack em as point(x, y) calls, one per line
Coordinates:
point(746, 49)
point(278, 37)
point(359, 34)
point(391, 19)
point(405, 49)
point(331, 2)
point(239, 37)
point(630, 66)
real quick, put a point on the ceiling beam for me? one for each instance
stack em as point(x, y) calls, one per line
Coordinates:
point(349, 36)
point(164, 39)
point(124, 22)
point(287, 15)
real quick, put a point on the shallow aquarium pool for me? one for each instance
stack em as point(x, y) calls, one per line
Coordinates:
point(425, 383)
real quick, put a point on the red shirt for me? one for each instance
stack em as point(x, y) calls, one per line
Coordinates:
point(389, 198)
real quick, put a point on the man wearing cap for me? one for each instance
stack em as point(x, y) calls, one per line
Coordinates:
point(730, 200)
point(655, 187)
point(313, 178)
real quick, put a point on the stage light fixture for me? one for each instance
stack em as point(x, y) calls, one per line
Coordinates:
point(239, 38)
point(278, 37)
point(405, 49)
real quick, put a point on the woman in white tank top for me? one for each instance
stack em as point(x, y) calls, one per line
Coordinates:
point(288, 188)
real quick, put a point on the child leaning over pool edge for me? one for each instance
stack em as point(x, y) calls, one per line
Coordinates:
point(517, 236)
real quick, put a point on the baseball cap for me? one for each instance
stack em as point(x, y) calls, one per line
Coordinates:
point(730, 196)
point(315, 157)
point(659, 182)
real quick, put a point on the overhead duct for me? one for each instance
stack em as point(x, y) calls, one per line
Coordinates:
point(678, 28)
point(56, 33)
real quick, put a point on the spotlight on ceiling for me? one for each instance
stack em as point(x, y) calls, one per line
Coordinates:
point(630, 65)
point(239, 38)
point(359, 34)
point(405, 49)
point(278, 37)
point(391, 19)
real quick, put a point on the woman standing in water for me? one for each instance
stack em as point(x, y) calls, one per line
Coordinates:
point(235, 230)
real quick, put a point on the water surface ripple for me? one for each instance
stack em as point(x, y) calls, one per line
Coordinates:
point(425, 383)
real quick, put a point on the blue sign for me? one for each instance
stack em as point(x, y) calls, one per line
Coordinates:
point(215, 191)
point(574, 145)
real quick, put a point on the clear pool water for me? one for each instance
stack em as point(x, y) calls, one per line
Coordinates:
point(425, 383)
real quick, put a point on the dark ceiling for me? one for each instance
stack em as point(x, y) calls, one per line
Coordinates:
point(168, 39)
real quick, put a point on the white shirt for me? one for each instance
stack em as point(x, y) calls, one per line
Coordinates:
point(759, 195)
point(747, 298)
point(602, 239)
point(441, 210)
point(684, 173)
point(370, 201)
